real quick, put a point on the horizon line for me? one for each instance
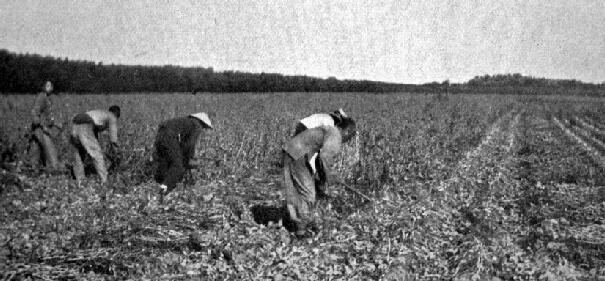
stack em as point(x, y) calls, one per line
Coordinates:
point(215, 70)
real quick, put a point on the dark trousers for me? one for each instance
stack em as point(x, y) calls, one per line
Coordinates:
point(170, 160)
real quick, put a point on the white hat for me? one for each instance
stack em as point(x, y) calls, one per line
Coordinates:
point(202, 116)
point(342, 112)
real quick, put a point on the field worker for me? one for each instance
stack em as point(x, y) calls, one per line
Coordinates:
point(313, 121)
point(175, 148)
point(299, 181)
point(84, 139)
point(42, 122)
point(320, 119)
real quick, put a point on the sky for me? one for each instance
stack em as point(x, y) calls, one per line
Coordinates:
point(395, 41)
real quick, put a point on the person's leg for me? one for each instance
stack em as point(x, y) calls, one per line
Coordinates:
point(289, 190)
point(93, 148)
point(305, 187)
point(50, 153)
point(78, 154)
point(161, 163)
point(171, 163)
point(299, 187)
point(175, 172)
point(321, 178)
point(38, 160)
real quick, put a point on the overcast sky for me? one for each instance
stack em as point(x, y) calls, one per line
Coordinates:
point(399, 41)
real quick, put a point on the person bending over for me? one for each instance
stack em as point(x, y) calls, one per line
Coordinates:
point(299, 184)
point(85, 139)
point(175, 149)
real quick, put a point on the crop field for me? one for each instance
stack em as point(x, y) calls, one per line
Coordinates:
point(439, 187)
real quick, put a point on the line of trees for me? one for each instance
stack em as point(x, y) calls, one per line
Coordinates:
point(25, 73)
point(519, 84)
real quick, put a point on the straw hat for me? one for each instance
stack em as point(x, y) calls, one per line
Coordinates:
point(202, 116)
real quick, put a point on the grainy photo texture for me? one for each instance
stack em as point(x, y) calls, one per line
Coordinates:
point(302, 140)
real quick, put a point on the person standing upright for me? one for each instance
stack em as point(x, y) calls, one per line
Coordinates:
point(42, 123)
point(85, 139)
point(175, 149)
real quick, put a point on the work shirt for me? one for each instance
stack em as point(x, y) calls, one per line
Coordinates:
point(325, 138)
point(41, 111)
point(186, 129)
point(105, 120)
point(317, 120)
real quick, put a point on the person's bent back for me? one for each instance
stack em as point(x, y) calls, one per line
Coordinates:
point(175, 148)
point(84, 139)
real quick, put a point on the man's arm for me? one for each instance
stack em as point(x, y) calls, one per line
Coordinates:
point(114, 154)
point(329, 150)
point(190, 143)
point(328, 169)
point(113, 130)
point(37, 109)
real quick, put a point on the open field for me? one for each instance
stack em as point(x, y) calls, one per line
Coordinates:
point(462, 187)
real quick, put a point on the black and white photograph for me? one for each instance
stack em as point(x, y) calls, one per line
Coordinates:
point(302, 140)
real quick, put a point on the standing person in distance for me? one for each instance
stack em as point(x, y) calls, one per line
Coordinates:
point(335, 118)
point(299, 179)
point(42, 122)
point(85, 140)
point(175, 149)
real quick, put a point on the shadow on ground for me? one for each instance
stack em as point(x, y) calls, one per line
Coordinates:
point(263, 214)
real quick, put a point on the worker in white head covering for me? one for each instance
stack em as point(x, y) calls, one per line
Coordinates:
point(300, 183)
point(320, 119)
point(175, 148)
point(335, 119)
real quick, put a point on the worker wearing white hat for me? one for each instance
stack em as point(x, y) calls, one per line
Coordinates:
point(175, 148)
point(202, 116)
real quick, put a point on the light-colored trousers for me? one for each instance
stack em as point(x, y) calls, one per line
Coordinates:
point(84, 142)
point(299, 190)
point(47, 153)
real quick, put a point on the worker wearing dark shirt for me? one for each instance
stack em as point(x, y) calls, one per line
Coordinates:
point(42, 122)
point(175, 148)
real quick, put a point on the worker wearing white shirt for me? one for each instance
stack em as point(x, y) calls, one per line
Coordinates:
point(85, 139)
point(320, 119)
point(334, 119)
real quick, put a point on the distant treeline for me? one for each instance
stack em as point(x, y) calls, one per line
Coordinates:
point(22, 73)
point(25, 73)
point(519, 84)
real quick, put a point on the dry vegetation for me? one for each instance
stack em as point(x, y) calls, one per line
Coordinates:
point(460, 187)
